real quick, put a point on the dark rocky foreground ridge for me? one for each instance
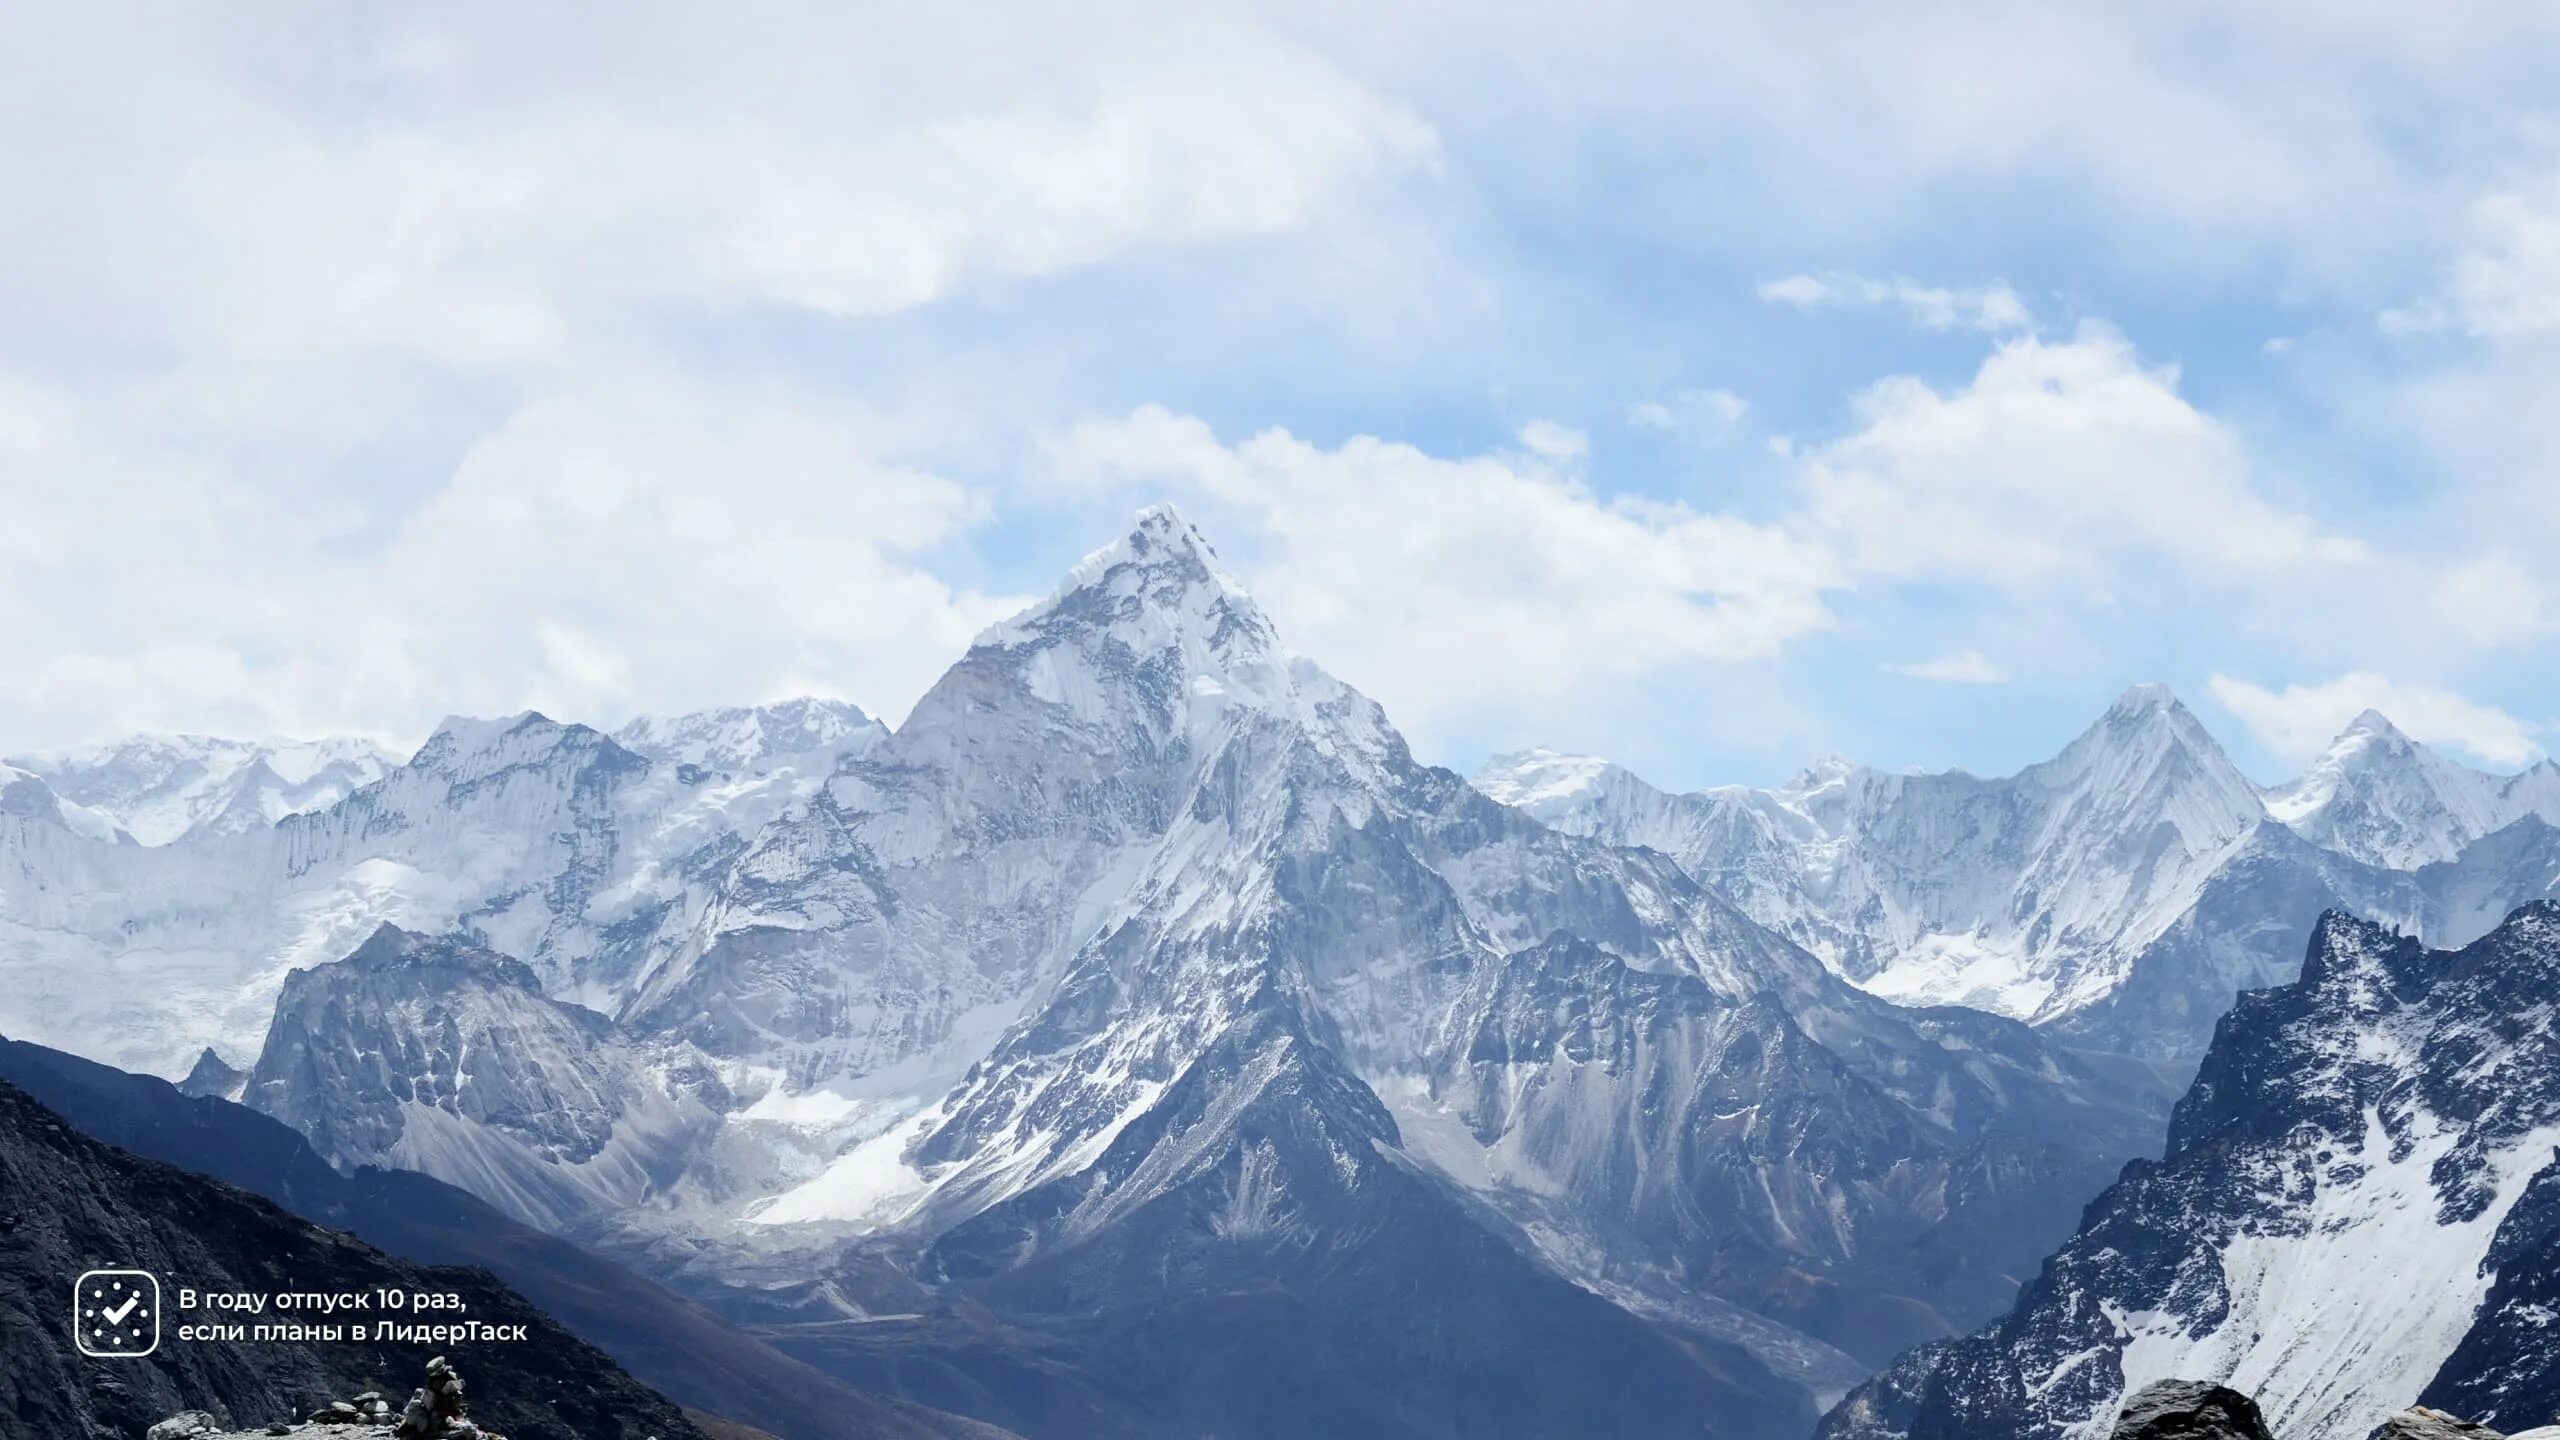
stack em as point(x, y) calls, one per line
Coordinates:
point(69, 1204)
point(2358, 1209)
point(678, 1347)
point(2202, 1410)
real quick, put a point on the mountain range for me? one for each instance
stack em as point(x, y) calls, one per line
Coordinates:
point(2117, 896)
point(1138, 1040)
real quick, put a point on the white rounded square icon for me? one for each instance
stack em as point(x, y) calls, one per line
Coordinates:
point(115, 1314)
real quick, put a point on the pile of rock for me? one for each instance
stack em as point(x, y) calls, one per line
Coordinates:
point(368, 1408)
point(2199, 1410)
point(435, 1411)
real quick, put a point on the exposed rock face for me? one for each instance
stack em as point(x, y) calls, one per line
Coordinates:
point(434, 1054)
point(2355, 1210)
point(69, 1204)
point(215, 1077)
point(672, 1345)
point(2190, 1410)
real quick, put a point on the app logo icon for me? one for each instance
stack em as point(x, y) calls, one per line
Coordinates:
point(115, 1314)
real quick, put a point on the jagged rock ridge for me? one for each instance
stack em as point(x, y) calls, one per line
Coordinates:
point(2355, 1212)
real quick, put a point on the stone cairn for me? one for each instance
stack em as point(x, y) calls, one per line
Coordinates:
point(436, 1409)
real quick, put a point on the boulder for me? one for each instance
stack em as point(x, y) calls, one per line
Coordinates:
point(2190, 1410)
point(183, 1424)
point(2420, 1423)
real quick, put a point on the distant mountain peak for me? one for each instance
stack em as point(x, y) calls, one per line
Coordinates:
point(471, 732)
point(2384, 798)
point(392, 949)
point(466, 748)
point(1529, 778)
point(162, 787)
point(1164, 568)
point(1153, 629)
point(807, 733)
point(2149, 697)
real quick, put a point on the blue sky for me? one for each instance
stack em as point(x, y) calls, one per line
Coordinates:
point(1713, 387)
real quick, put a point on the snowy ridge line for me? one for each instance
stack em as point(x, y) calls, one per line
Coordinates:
point(2119, 893)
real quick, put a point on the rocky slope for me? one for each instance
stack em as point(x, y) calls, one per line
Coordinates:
point(675, 1346)
point(436, 1055)
point(2354, 1213)
point(69, 1204)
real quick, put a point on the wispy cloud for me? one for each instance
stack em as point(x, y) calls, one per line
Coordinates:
point(1993, 309)
point(1964, 667)
point(2505, 281)
point(1711, 416)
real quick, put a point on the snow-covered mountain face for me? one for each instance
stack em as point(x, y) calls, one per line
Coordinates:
point(1286, 944)
point(2386, 800)
point(2119, 894)
point(1140, 965)
point(2357, 1211)
point(163, 788)
point(807, 736)
point(547, 842)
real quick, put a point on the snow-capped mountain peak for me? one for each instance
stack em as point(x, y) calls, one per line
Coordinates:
point(1531, 779)
point(465, 749)
point(807, 734)
point(2023, 894)
point(1158, 587)
point(2383, 798)
point(25, 797)
point(2147, 760)
point(1153, 634)
point(161, 788)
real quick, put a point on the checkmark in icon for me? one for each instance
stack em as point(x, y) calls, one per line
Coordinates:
point(115, 1314)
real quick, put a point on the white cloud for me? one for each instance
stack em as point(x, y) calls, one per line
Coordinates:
point(1994, 308)
point(342, 394)
point(2059, 460)
point(1963, 667)
point(2491, 601)
point(1711, 416)
point(341, 326)
point(2506, 281)
point(2061, 471)
point(644, 542)
point(2300, 720)
point(1444, 586)
point(477, 217)
point(1550, 441)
